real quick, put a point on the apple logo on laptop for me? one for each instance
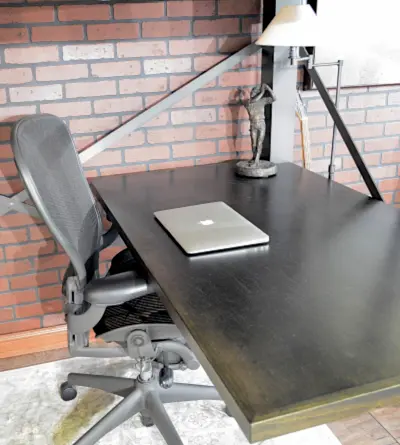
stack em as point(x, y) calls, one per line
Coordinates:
point(206, 222)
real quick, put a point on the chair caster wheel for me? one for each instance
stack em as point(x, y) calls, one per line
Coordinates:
point(67, 392)
point(227, 412)
point(146, 421)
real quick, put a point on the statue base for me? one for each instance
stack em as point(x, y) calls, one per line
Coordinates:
point(262, 169)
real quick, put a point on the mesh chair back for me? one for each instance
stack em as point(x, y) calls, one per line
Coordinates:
point(51, 170)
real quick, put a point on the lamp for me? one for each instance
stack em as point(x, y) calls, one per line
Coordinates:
point(298, 26)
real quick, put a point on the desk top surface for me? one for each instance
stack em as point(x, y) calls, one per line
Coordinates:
point(295, 334)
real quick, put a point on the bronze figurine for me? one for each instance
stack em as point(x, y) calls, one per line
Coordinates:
point(260, 97)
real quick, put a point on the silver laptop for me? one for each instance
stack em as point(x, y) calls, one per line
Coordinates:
point(210, 227)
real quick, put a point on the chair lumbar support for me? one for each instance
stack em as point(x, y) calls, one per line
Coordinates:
point(145, 395)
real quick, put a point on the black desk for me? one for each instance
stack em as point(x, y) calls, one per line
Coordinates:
point(296, 334)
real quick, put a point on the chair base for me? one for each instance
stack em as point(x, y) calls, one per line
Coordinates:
point(144, 397)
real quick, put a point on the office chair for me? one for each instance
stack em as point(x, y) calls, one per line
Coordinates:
point(121, 308)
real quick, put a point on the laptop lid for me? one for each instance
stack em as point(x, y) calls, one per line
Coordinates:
point(210, 227)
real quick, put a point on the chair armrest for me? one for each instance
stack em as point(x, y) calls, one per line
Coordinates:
point(116, 289)
point(109, 237)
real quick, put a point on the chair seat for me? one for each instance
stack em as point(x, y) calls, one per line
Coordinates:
point(143, 310)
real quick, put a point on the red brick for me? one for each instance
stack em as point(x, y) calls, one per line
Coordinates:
point(367, 100)
point(143, 85)
point(215, 159)
point(8, 169)
point(1, 254)
point(34, 93)
point(166, 29)
point(251, 25)
point(167, 66)
point(82, 142)
point(397, 197)
point(347, 176)
point(141, 49)
point(383, 114)
point(193, 46)
point(31, 249)
point(193, 116)
point(394, 98)
point(72, 13)
point(172, 164)
point(239, 78)
point(31, 14)
point(13, 113)
point(4, 284)
point(6, 152)
point(392, 128)
point(34, 280)
point(178, 134)
point(107, 157)
point(253, 61)
point(388, 197)
point(62, 72)
point(383, 172)
point(17, 220)
point(21, 325)
point(14, 76)
point(57, 33)
point(215, 131)
point(17, 297)
point(361, 187)
point(389, 185)
point(5, 133)
point(139, 11)
point(391, 157)
point(13, 236)
point(112, 31)
point(3, 97)
point(147, 154)
point(39, 233)
point(103, 106)
point(234, 145)
point(350, 117)
point(53, 320)
point(232, 44)
point(203, 63)
point(88, 89)
point(316, 105)
point(194, 149)
point(49, 292)
point(366, 131)
point(15, 267)
point(6, 314)
point(13, 35)
point(125, 169)
point(189, 8)
point(159, 121)
point(31, 310)
point(88, 52)
point(216, 27)
point(94, 124)
point(214, 97)
point(116, 69)
point(67, 109)
point(130, 140)
point(34, 54)
point(248, 7)
point(371, 159)
point(10, 187)
point(381, 144)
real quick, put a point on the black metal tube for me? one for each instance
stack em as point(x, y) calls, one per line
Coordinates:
point(344, 132)
point(331, 172)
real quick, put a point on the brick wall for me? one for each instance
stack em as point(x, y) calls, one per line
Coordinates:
point(372, 115)
point(97, 66)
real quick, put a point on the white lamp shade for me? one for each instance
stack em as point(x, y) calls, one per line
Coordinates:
point(292, 26)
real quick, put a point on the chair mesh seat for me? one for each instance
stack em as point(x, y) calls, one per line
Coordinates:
point(142, 310)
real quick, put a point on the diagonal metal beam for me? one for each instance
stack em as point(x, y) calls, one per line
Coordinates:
point(16, 202)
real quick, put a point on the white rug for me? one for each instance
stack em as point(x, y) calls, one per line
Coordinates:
point(32, 413)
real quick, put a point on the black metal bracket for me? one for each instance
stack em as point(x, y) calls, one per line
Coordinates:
point(344, 132)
